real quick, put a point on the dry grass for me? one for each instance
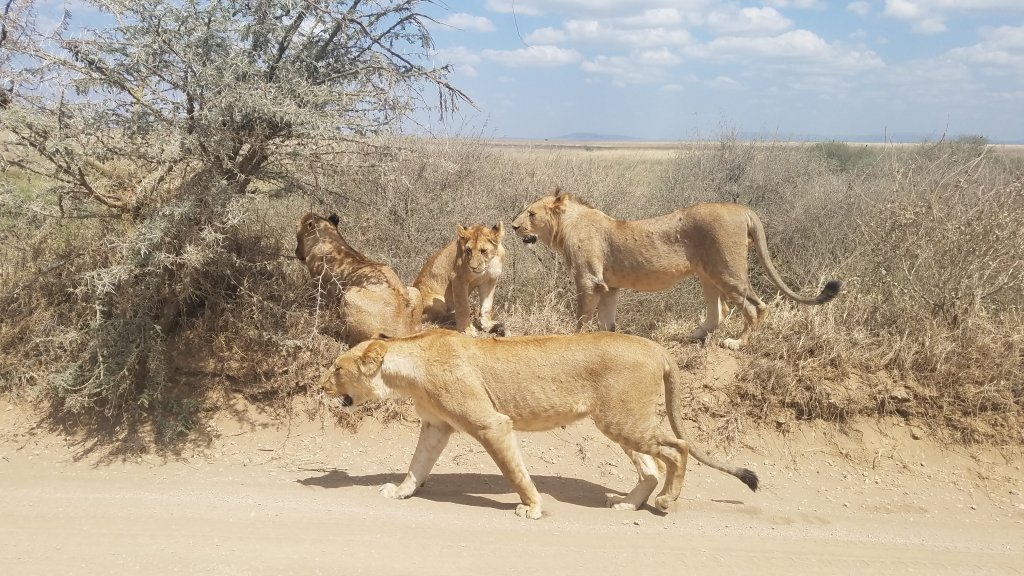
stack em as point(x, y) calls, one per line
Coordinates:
point(929, 240)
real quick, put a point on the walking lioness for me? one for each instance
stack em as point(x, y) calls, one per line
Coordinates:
point(489, 387)
point(706, 240)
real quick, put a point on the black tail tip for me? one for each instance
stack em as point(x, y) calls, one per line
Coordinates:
point(749, 478)
point(830, 291)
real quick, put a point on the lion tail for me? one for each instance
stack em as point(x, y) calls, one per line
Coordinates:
point(755, 231)
point(746, 476)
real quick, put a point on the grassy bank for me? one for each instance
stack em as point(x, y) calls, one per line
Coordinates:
point(929, 240)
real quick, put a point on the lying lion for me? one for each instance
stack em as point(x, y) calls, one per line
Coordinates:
point(706, 240)
point(375, 302)
point(471, 262)
point(489, 387)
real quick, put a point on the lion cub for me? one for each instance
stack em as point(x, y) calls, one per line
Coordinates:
point(488, 387)
point(471, 262)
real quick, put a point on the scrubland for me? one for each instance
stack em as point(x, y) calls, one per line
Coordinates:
point(928, 240)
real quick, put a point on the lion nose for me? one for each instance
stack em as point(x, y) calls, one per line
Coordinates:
point(346, 400)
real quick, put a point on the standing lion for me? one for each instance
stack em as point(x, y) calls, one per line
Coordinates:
point(375, 303)
point(706, 240)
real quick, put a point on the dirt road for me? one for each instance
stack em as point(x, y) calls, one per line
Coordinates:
point(303, 500)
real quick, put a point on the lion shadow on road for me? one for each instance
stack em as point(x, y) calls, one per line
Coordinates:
point(471, 488)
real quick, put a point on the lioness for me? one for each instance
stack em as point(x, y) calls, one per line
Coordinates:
point(470, 262)
point(708, 240)
point(489, 387)
point(375, 302)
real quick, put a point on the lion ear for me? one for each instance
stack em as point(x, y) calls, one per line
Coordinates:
point(558, 192)
point(498, 229)
point(561, 199)
point(373, 357)
point(462, 231)
point(333, 219)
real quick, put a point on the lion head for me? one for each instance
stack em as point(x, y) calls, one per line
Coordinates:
point(542, 219)
point(355, 375)
point(312, 229)
point(478, 245)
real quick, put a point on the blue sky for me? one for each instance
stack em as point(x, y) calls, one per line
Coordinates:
point(683, 69)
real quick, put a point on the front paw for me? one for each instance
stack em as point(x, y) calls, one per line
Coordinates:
point(731, 343)
point(620, 503)
point(532, 512)
point(389, 490)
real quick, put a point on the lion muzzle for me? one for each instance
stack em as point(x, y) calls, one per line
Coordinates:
point(529, 239)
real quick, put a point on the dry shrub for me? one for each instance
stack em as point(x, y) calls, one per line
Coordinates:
point(928, 326)
point(926, 238)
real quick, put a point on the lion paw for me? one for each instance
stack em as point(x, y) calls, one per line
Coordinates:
point(620, 503)
point(700, 336)
point(389, 490)
point(664, 503)
point(731, 344)
point(531, 512)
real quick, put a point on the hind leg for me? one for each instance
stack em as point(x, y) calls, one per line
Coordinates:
point(647, 469)
point(716, 310)
point(754, 311)
point(674, 453)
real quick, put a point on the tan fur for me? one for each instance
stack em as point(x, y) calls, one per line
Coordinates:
point(471, 262)
point(706, 240)
point(489, 387)
point(375, 302)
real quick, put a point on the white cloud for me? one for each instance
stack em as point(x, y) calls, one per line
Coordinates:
point(533, 57)
point(463, 59)
point(606, 33)
point(463, 21)
point(672, 88)
point(1001, 51)
point(793, 3)
point(799, 50)
point(860, 8)
point(587, 8)
point(929, 26)
point(748, 21)
point(723, 82)
point(640, 67)
point(511, 6)
point(546, 36)
point(654, 18)
point(930, 16)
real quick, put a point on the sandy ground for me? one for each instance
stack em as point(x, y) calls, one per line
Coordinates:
point(300, 496)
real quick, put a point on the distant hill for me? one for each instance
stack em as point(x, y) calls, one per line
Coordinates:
point(592, 137)
point(897, 137)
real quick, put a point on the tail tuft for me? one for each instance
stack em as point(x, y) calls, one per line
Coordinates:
point(749, 478)
point(830, 291)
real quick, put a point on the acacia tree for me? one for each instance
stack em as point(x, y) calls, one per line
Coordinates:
point(150, 130)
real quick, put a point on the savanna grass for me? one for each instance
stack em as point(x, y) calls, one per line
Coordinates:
point(927, 238)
